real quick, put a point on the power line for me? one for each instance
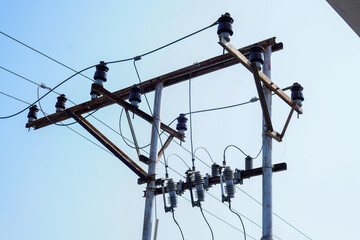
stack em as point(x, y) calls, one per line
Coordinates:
point(242, 223)
point(202, 213)
point(173, 215)
point(43, 54)
point(8, 95)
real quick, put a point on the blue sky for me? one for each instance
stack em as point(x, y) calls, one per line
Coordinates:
point(54, 184)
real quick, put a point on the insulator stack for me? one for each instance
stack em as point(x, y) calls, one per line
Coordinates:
point(248, 163)
point(100, 77)
point(61, 103)
point(199, 186)
point(171, 186)
point(207, 182)
point(225, 26)
point(135, 95)
point(229, 181)
point(257, 56)
point(296, 93)
point(33, 110)
point(215, 170)
point(181, 125)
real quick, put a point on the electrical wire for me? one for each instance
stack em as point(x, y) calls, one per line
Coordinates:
point(43, 54)
point(227, 223)
point(122, 135)
point(173, 215)
point(242, 223)
point(14, 98)
point(206, 152)
point(202, 213)
point(67, 79)
point(190, 121)
point(178, 157)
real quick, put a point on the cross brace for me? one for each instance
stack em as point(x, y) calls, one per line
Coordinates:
point(109, 145)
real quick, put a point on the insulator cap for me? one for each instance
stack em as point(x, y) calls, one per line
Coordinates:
point(101, 71)
point(215, 170)
point(181, 125)
point(257, 54)
point(61, 102)
point(296, 92)
point(32, 115)
point(225, 24)
point(135, 95)
point(248, 163)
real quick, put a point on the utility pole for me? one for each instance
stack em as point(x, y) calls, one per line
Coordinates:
point(149, 202)
point(267, 157)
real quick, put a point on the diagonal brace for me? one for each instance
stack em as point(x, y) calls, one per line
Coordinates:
point(135, 110)
point(109, 145)
point(262, 99)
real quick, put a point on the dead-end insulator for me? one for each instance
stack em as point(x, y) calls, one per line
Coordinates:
point(181, 125)
point(199, 181)
point(100, 77)
point(248, 163)
point(61, 103)
point(296, 93)
point(33, 110)
point(257, 56)
point(229, 181)
point(171, 186)
point(135, 96)
point(225, 26)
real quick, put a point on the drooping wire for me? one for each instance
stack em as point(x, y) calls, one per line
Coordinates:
point(122, 135)
point(174, 154)
point(206, 152)
point(79, 72)
point(67, 79)
point(178, 40)
point(202, 213)
point(43, 54)
point(242, 223)
point(173, 215)
point(222, 220)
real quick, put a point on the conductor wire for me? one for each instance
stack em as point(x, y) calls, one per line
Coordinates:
point(173, 215)
point(242, 223)
point(201, 210)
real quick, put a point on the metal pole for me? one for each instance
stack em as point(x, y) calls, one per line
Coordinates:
point(267, 159)
point(149, 202)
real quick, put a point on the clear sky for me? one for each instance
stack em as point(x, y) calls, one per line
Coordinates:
point(54, 184)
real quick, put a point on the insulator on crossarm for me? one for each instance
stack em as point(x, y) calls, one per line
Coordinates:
point(181, 125)
point(229, 181)
point(248, 163)
point(215, 170)
point(296, 93)
point(135, 96)
point(61, 103)
point(171, 186)
point(207, 182)
point(199, 181)
point(257, 56)
point(225, 26)
point(100, 77)
point(33, 110)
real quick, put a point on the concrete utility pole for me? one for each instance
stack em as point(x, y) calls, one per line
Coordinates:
point(149, 202)
point(267, 157)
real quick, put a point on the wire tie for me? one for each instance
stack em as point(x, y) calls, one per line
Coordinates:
point(137, 58)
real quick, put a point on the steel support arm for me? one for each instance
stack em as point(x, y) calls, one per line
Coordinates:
point(109, 145)
point(267, 81)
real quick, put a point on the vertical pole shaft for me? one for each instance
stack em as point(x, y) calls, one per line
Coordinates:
point(267, 159)
point(149, 202)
